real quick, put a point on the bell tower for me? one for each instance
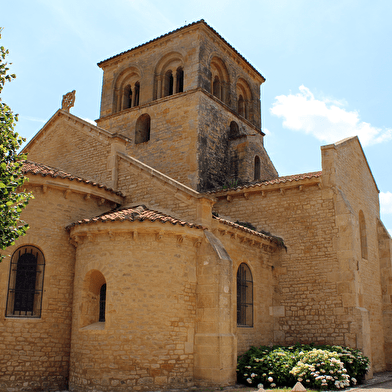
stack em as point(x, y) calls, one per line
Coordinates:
point(189, 105)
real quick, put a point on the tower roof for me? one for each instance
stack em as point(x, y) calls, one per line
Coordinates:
point(201, 22)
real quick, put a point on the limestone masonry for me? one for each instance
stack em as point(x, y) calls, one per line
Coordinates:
point(163, 242)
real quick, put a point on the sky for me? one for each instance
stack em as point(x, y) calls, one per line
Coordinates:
point(327, 65)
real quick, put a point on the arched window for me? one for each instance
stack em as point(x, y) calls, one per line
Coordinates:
point(244, 296)
point(137, 94)
point(257, 168)
point(127, 90)
point(142, 132)
point(216, 87)
point(168, 84)
point(102, 302)
point(180, 80)
point(26, 282)
point(169, 75)
point(362, 233)
point(93, 299)
point(234, 130)
point(127, 100)
point(244, 99)
point(220, 81)
point(241, 106)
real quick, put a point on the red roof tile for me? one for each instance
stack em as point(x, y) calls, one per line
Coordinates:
point(138, 213)
point(279, 180)
point(44, 170)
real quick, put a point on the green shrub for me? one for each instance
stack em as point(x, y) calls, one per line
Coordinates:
point(321, 367)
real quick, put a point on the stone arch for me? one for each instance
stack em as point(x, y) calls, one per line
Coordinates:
point(169, 75)
point(363, 235)
point(127, 90)
point(91, 296)
point(142, 131)
point(244, 99)
point(220, 80)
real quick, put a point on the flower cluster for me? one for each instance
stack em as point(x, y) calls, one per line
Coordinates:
point(322, 367)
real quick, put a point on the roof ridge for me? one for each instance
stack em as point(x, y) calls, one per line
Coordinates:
point(139, 213)
point(201, 21)
point(277, 180)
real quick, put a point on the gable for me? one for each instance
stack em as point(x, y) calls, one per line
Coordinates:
point(75, 146)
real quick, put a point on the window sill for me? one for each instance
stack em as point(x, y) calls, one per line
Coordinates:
point(99, 326)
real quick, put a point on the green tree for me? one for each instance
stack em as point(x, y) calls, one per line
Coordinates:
point(12, 198)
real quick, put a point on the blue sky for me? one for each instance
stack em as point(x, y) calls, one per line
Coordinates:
point(327, 64)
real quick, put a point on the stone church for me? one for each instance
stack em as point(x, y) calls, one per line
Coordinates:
point(163, 243)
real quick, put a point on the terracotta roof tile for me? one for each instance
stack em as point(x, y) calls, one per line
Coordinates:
point(278, 180)
point(138, 213)
point(181, 28)
point(45, 170)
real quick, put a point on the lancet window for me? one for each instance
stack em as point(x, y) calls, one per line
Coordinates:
point(257, 168)
point(244, 296)
point(363, 236)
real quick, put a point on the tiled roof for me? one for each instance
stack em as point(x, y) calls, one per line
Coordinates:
point(138, 213)
point(44, 170)
point(246, 229)
point(181, 28)
point(279, 180)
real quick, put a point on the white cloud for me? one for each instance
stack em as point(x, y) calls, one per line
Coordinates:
point(386, 202)
point(325, 119)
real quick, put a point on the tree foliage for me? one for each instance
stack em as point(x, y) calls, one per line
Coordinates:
point(12, 198)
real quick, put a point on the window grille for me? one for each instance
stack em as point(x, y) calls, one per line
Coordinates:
point(244, 296)
point(26, 280)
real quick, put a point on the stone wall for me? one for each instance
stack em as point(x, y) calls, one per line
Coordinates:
point(146, 341)
point(347, 170)
point(34, 352)
point(70, 144)
point(306, 304)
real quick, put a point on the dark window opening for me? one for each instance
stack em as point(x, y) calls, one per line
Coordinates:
point(234, 130)
point(168, 85)
point(25, 285)
point(257, 168)
point(102, 302)
point(244, 296)
point(180, 80)
point(137, 94)
point(216, 87)
point(142, 132)
point(241, 106)
point(127, 97)
point(362, 233)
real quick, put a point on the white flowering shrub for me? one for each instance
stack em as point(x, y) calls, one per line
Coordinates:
point(320, 367)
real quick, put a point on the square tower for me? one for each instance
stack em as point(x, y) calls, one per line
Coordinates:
point(189, 105)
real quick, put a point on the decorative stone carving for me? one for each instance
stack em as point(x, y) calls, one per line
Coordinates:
point(68, 100)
